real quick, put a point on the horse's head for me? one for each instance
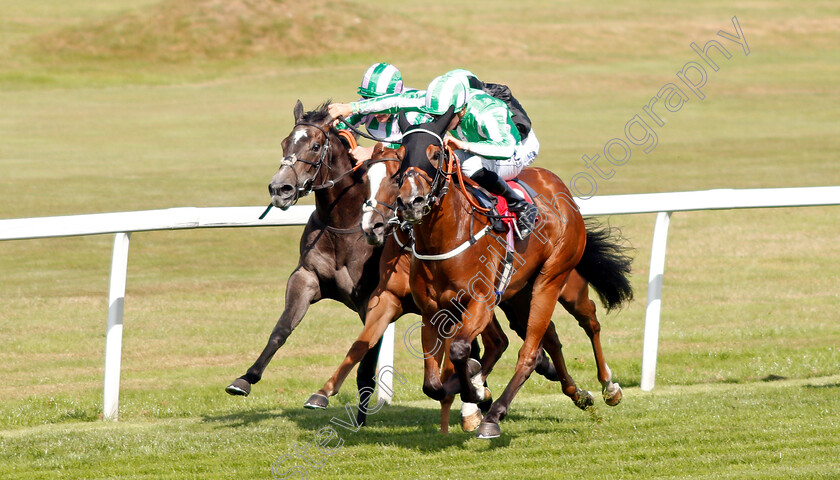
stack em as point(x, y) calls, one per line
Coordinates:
point(307, 156)
point(421, 176)
point(379, 211)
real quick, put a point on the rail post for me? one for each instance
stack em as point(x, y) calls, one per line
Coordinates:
point(654, 300)
point(113, 340)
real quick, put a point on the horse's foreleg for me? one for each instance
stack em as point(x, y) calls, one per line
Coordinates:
point(495, 343)
point(366, 380)
point(445, 409)
point(473, 323)
point(446, 402)
point(545, 294)
point(433, 350)
point(383, 309)
point(303, 289)
point(575, 299)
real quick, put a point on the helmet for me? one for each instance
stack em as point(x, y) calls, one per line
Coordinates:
point(445, 91)
point(462, 75)
point(381, 79)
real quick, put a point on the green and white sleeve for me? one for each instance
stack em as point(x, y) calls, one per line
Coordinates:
point(394, 103)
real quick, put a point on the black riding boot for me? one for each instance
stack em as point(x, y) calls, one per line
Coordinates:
point(526, 213)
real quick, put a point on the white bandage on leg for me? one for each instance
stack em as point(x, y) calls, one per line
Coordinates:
point(468, 409)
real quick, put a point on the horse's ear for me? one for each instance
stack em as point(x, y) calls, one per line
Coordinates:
point(403, 122)
point(298, 111)
point(444, 119)
point(378, 149)
point(401, 153)
point(433, 153)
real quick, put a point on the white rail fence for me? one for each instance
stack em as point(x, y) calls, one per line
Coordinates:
point(122, 224)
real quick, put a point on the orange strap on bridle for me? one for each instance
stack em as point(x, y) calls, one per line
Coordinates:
point(454, 167)
point(353, 144)
point(349, 137)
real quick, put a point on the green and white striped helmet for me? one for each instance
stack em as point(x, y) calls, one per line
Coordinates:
point(381, 79)
point(445, 91)
point(462, 75)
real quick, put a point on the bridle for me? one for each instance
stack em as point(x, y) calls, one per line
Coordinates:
point(440, 183)
point(326, 149)
point(291, 160)
point(369, 206)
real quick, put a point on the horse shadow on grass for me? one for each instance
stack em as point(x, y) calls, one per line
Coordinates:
point(411, 427)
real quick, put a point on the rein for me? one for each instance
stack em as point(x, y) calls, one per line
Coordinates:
point(356, 130)
point(456, 165)
point(447, 168)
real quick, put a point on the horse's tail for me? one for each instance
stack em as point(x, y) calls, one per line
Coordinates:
point(606, 264)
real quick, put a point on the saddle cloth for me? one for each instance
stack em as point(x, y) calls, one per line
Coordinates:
point(505, 223)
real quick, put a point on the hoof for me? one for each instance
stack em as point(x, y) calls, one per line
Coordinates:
point(612, 395)
point(239, 387)
point(488, 430)
point(473, 367)
point(471, 422)
point(317, 401)
point(584, 400)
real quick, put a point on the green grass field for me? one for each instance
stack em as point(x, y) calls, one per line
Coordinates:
point(144, 104)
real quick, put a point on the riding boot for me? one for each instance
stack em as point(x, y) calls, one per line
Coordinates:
point(526, 213)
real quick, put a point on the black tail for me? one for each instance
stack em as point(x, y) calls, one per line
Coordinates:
point(606, 264)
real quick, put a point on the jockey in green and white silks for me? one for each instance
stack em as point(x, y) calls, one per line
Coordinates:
point(483, 135)
point(381, 79)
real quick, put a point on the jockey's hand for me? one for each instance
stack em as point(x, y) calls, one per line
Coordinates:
point(454, 143)
point(362, 153)
point(339, 109)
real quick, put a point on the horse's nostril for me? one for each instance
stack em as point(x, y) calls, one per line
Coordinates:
point(400, 204)
point(281, 190)
point(378, 228)
point(417, 202)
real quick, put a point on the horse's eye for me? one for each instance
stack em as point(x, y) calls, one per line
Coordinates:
point(316, 146)
point(436, 156)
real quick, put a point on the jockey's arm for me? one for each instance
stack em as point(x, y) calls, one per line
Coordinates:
point(394, 103)
point(489, 133)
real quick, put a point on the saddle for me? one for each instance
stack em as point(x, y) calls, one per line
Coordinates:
point(502, 219)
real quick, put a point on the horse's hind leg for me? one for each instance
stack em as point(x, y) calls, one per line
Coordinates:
point(575, 299)
point(582, 398)
point(303, 289)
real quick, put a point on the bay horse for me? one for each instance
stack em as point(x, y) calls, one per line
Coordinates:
point(446, 221)
point(392, 298)
point(379, 221)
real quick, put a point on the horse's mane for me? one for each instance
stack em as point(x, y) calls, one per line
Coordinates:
point(319, 115)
